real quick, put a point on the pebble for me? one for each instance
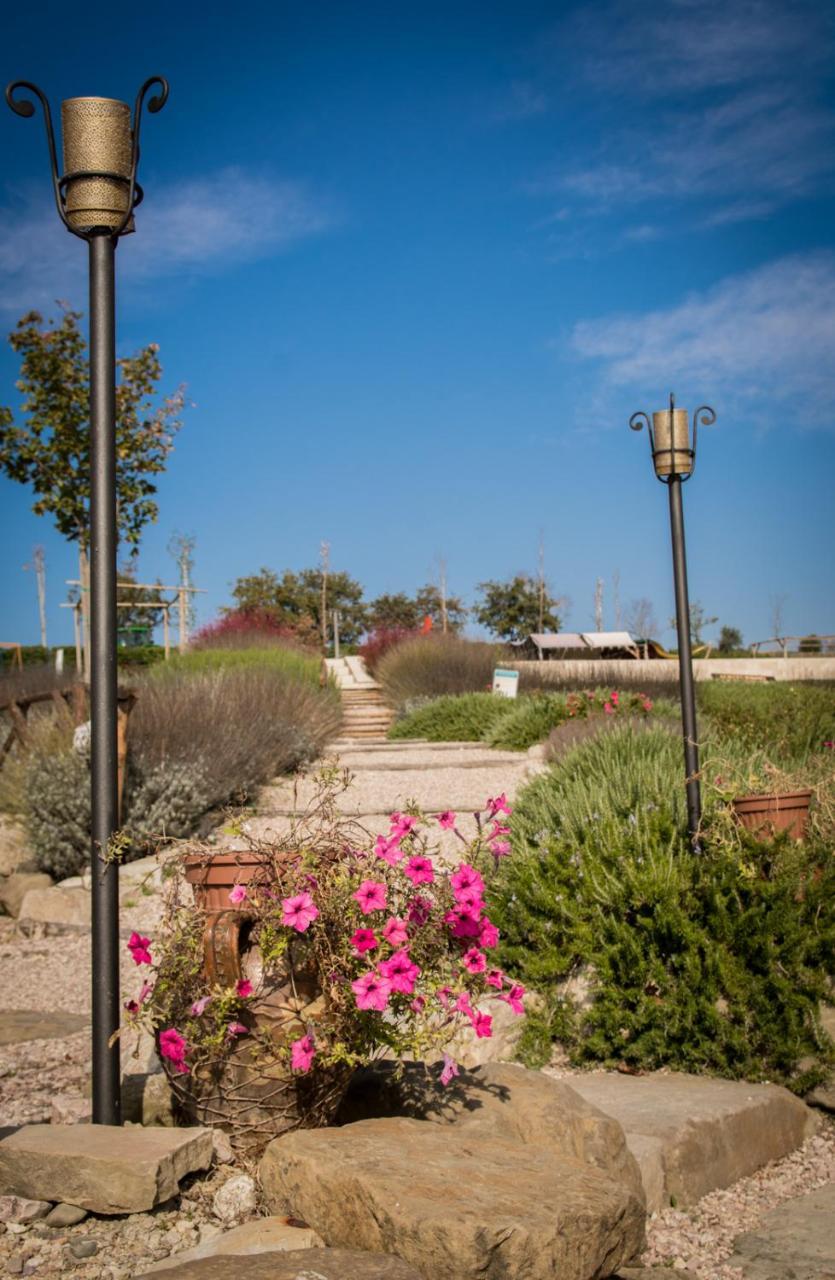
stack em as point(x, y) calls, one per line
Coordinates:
point(65, 1215)
point(17, 1209)
point(84, 1248)
point(236, 1199)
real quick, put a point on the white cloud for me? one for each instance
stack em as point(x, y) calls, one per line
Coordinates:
point(756, 339)
point(194, 226)
point(717, 101)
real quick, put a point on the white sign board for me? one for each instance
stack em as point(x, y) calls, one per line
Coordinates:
point(505, 683)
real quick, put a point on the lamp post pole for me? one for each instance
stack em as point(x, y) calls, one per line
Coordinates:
point(674, 459)
point(95, 200)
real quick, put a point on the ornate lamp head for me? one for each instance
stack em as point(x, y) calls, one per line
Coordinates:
point(673, 452)
point(98, 191)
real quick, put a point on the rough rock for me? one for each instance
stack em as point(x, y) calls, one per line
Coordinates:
point(470, 1050)
point(653, 1273)
point(18, 1209)
point(503, 1100)
point(823, 1097)
point(14, 852)
point(311, 1264)
point(61, 909)
point(17, 1025)
point(236, 1199)
point(147, 1099)
point(106, 1169)
point(455, 1203)
point(71, 1108)
point(263, 1235)
point(795, 1241)
point(65, 1215)
point(14, 889)
point(694, 1134)
point(222, 1147)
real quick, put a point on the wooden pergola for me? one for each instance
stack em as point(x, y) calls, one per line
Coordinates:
point(179, 600)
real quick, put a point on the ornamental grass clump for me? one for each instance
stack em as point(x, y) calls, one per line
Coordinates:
point(345, 948)
point(433, 665)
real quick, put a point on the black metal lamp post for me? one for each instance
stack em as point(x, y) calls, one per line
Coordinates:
point(95, 199)
point(674, 459)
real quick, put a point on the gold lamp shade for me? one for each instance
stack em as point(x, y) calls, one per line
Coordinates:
point(97, 138)
point(671, 431)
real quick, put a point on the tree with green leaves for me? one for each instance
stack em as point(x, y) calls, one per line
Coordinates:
point(295, 600)
point(512, 610)
point(50, 448)
point(430, 602)
point(396, 611)
point(730, 638)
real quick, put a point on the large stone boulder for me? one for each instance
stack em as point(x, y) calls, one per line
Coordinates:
point(795, 1241)
point(104, 1168)
point(503, 1100)
point(16, 886)
point(455, 1201)
point(262, 1235)
point(503, 1171)
point(14, 851)
point(59, 909)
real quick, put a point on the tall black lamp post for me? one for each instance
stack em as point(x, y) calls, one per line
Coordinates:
point(674, 459)
point(95, 199)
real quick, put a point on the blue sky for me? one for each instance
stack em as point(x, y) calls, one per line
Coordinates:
point(418, 264)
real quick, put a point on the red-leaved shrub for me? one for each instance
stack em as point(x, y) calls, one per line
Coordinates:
point(380, 642)
point(251, 629)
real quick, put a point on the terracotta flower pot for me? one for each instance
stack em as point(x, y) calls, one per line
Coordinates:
point(765, 816)
point(212, 879)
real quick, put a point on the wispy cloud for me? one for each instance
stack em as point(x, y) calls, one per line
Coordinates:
point(759, 339)
point(715, 102)
point(521, 101)
point(192, 227)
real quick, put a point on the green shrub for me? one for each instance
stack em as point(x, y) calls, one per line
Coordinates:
point(462, 718)
point(434, 665)
point(790, 721)
point(286, 660)
point(57, 811)
point(714, 962)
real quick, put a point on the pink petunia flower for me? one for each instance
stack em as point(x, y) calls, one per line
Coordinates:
point(243, 988)
point(500, 848)
point(402, 824)
point(498, 804)
point(443, 994)
point(488, 934)
point(463, 923)
point(363, 940)
point(395, 931)
point(470, 900)
point(419, 871)
point(302, 1053)
point(614, 697)
point(172, 1045)
point(139, 949)
point(466, 877)
point(237, 894)
point(298, 912)
point(418, 1004)
point(237, 1029)
point(371, 895)
point(608, 708)
point(462, 1004)
point(131, 1007)
point(514, 998)
point(199, 1007)
point(474, 961)
point(419, 910)
point(495, 978)
point(499, 829)
point(401, 972)
point(450, 1069)
point(482, 1024)
point(372, 991)
point(647, 704)
point(446, 819)
point(389, 850)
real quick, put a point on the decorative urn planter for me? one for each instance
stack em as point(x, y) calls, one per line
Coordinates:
point(767, 816)
point(246, 1092)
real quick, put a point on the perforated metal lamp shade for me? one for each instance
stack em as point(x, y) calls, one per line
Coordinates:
point(672, 452)
point(97, 142)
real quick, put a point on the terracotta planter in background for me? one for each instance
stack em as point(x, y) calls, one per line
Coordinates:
point(765, 816)
point(212, 879)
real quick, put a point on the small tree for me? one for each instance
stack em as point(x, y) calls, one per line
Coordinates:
point(429, 601)
point(393, 612)
point(512, 610)
point(730, 638)
point(699, 621)
point(640, 618)
point(295, 600)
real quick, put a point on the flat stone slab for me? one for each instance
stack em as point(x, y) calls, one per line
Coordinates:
point(301, 1264)
point(263, 1235)
point(17, 1025)
point(103, 1168)
point(795, 1241)
point(694, 1134)
point(455, 1204)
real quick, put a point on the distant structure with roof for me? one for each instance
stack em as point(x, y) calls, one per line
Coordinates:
point(580, 644)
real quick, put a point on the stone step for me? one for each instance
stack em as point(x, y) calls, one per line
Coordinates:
point(694, 1134)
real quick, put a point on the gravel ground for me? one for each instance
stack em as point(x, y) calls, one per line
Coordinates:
point(701, 1238)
